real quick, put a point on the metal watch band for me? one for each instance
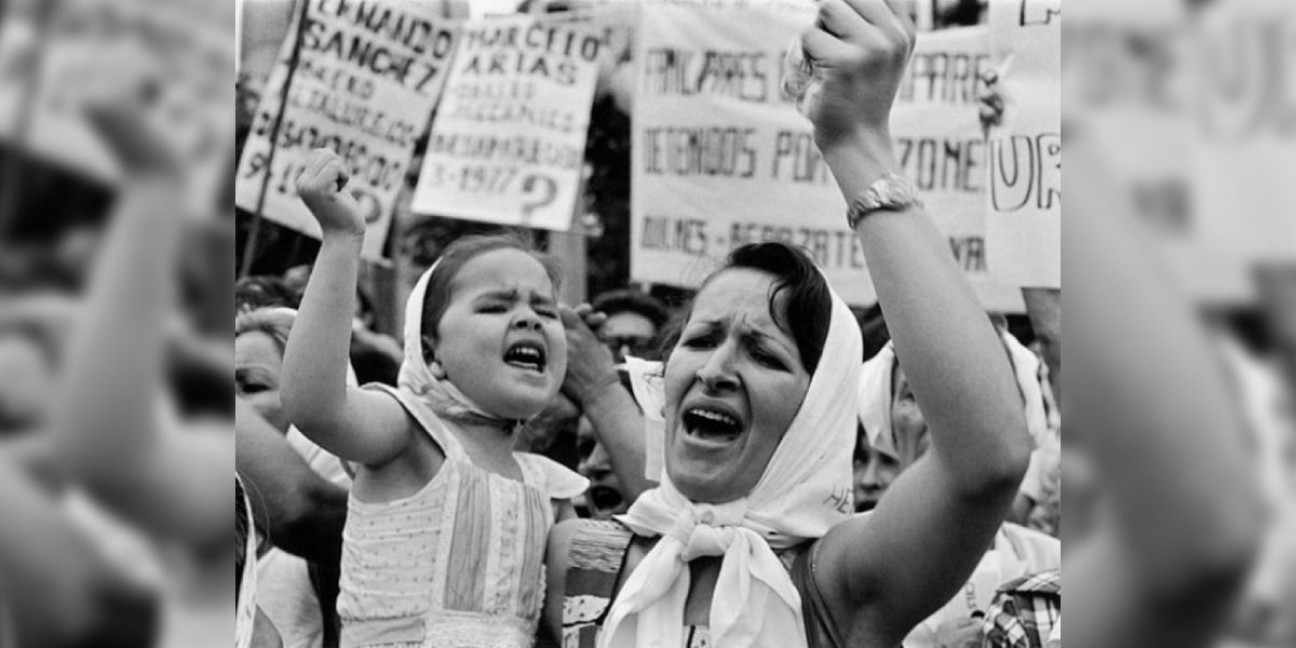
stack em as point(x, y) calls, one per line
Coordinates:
point(891, 192)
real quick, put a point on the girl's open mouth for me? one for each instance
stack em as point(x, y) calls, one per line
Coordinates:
point(526, 355)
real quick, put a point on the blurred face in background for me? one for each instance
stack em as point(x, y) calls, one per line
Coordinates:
point(604, 497)
point(257, 362)
point(628, 334)
point(875, 469)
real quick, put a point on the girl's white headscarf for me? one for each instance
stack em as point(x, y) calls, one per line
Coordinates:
point(441, 395)
point(804, 491)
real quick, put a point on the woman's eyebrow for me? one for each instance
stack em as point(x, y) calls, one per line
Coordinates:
point(764, 338)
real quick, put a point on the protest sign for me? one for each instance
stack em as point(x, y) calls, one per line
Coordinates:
point(1245, 89)
point(720, 159)
point(1024, 193)
point(366, 79)
point(1129, 75)
point(508, 142)
point(940, 146)
point(185, 43)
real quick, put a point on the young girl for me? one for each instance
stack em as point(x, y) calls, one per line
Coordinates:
point(446, 528)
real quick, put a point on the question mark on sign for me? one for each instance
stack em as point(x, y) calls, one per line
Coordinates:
point(536, 197)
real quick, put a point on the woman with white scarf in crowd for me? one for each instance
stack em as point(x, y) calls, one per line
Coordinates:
point(749, 540)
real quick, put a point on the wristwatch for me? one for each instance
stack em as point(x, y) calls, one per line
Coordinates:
point(891, 192)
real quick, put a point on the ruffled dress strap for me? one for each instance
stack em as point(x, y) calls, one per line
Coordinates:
point(434, 427)
point(551, 477)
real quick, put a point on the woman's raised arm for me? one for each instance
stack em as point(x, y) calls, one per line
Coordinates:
point(887, 572)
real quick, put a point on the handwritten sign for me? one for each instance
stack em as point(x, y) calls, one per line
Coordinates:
point(1246, 133)
point(508, 142)
point(1129, 69)
point(367, 78)
point(720, 159)
point(1024, 196)
point(940, 146)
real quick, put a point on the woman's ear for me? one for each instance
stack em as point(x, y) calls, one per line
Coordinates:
point(429, 357)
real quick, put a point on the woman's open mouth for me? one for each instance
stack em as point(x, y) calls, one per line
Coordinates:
point(526, 355)
point(709, 424)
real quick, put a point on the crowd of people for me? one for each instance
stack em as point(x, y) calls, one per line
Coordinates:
point(760, 466)
point(624, 473)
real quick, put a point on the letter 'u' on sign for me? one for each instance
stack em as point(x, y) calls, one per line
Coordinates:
point(508, 141)
point(1024, 159)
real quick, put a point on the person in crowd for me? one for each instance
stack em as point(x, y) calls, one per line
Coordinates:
point(633, 322)
point(295, 597)
point(893, 423)
point(611, 433)
point(893, 436)
point(605, 497)
point(1025, 613)
point(375, 357)
point(446, 526)
point(751, 538)
point(260, 338)
point(252, 629)
point(629, 323)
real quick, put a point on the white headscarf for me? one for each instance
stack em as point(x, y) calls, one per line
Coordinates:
point(441, 395)
point(804, 491)
point(875, 394)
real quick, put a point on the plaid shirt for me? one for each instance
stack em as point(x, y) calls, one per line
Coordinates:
point(1024, 612)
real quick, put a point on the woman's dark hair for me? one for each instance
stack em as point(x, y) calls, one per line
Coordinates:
point(807, 310)
point(456, 255)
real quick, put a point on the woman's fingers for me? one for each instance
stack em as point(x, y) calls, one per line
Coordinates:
point(882, 15)
point(824, 50)
point(842, 21)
